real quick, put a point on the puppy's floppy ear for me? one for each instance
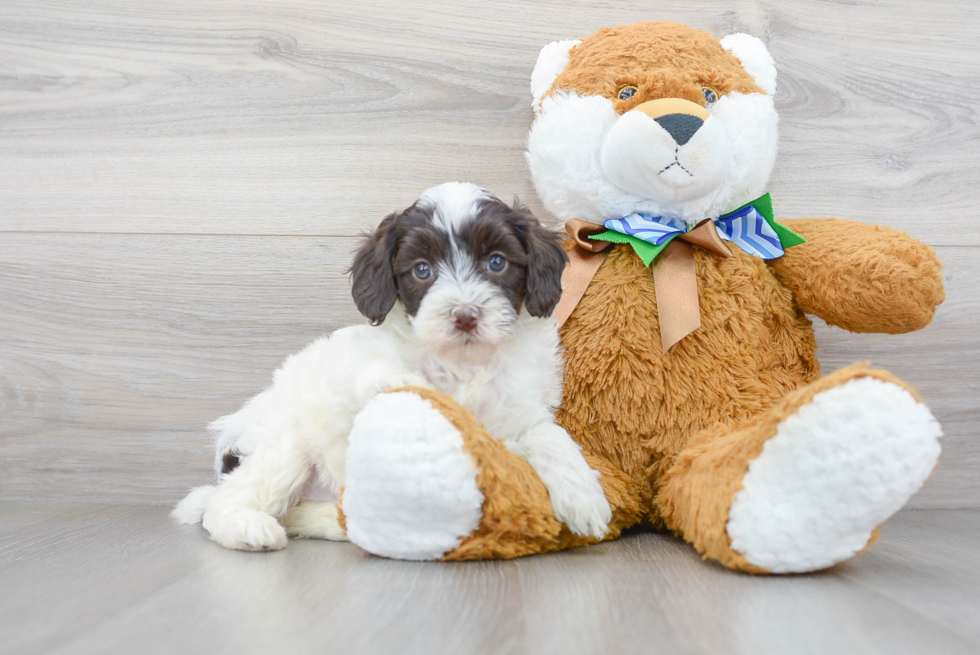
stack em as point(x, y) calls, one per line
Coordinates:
point(373, 273)
point(546, 260)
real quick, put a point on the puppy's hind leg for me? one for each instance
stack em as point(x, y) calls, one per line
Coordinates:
point(314, 520)
point(241, 512)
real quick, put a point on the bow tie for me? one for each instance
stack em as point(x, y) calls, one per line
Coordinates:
point(663, 242)
point(751, 227)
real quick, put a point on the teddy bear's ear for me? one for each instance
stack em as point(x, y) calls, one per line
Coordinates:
point(755, 59)
point(551, 62)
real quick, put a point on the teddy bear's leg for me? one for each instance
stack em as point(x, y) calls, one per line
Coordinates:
point(806, 484)
point(425, 481)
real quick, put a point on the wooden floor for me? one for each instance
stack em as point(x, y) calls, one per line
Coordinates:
point(79, 579)
point(181, 185)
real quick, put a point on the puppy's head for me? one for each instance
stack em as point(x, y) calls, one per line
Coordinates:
point(464, 265)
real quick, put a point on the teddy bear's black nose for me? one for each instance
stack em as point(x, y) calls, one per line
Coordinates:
point(680, 126)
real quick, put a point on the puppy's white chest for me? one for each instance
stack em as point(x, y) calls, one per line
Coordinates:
point(494, 403)
point(474, 391)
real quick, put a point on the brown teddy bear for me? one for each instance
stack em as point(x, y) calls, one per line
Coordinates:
point(692, 384)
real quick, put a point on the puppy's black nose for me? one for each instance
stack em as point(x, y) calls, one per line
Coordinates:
point(465, 318)
point(680, 126)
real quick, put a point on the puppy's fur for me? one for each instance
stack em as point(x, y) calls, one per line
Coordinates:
point(458, 288)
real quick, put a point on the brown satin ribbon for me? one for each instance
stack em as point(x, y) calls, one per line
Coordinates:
point(584, 260)
point(674, 276)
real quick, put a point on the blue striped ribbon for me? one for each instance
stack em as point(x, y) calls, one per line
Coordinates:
point(746, 228)
point(657, 230)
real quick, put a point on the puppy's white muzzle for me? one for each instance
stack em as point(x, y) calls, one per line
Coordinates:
point(668, 149)
point(463, 317)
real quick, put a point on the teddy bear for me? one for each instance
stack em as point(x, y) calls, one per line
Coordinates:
point(692, 384)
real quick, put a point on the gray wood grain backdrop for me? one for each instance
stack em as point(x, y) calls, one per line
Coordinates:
point(181, 184)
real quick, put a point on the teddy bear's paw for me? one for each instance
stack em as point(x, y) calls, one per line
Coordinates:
point(245, 529)
point(833, 472)
point(411, 489)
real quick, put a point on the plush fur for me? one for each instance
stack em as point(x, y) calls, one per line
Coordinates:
point(812, 497)
point(461, 286)
point(581, 117)
point(731, 439)
point(394, 509)
point(410, 492)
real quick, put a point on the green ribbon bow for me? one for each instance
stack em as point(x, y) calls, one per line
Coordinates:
point(669, 229)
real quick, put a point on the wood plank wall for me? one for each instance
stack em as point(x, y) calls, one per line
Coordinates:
point(181, 184)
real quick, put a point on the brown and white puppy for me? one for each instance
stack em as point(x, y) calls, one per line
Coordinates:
point(458, 289)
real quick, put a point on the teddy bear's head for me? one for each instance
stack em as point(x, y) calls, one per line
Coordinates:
point(652, 118)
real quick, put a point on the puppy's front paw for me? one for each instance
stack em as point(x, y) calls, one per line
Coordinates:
point(582, 506)
point(245, 529)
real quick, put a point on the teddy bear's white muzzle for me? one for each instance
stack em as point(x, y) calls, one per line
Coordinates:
point(668, 150)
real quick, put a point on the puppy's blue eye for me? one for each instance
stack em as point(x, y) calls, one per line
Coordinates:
point(710, 95)
point(627, 92)
point(423, 271)
point(496, 263)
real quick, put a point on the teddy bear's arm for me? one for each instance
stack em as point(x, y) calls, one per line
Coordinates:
point(861, 277)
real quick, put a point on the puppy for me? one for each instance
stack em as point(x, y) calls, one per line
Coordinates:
point(458, 289)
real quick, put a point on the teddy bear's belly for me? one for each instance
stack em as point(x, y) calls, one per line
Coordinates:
point(627, 401)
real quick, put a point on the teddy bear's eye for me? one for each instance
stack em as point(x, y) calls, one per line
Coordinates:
point(627, 92)
point(709, 94)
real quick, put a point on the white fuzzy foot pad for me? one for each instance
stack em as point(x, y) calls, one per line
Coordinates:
point(411, 490)
point(832, 473)
point(245, 529)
